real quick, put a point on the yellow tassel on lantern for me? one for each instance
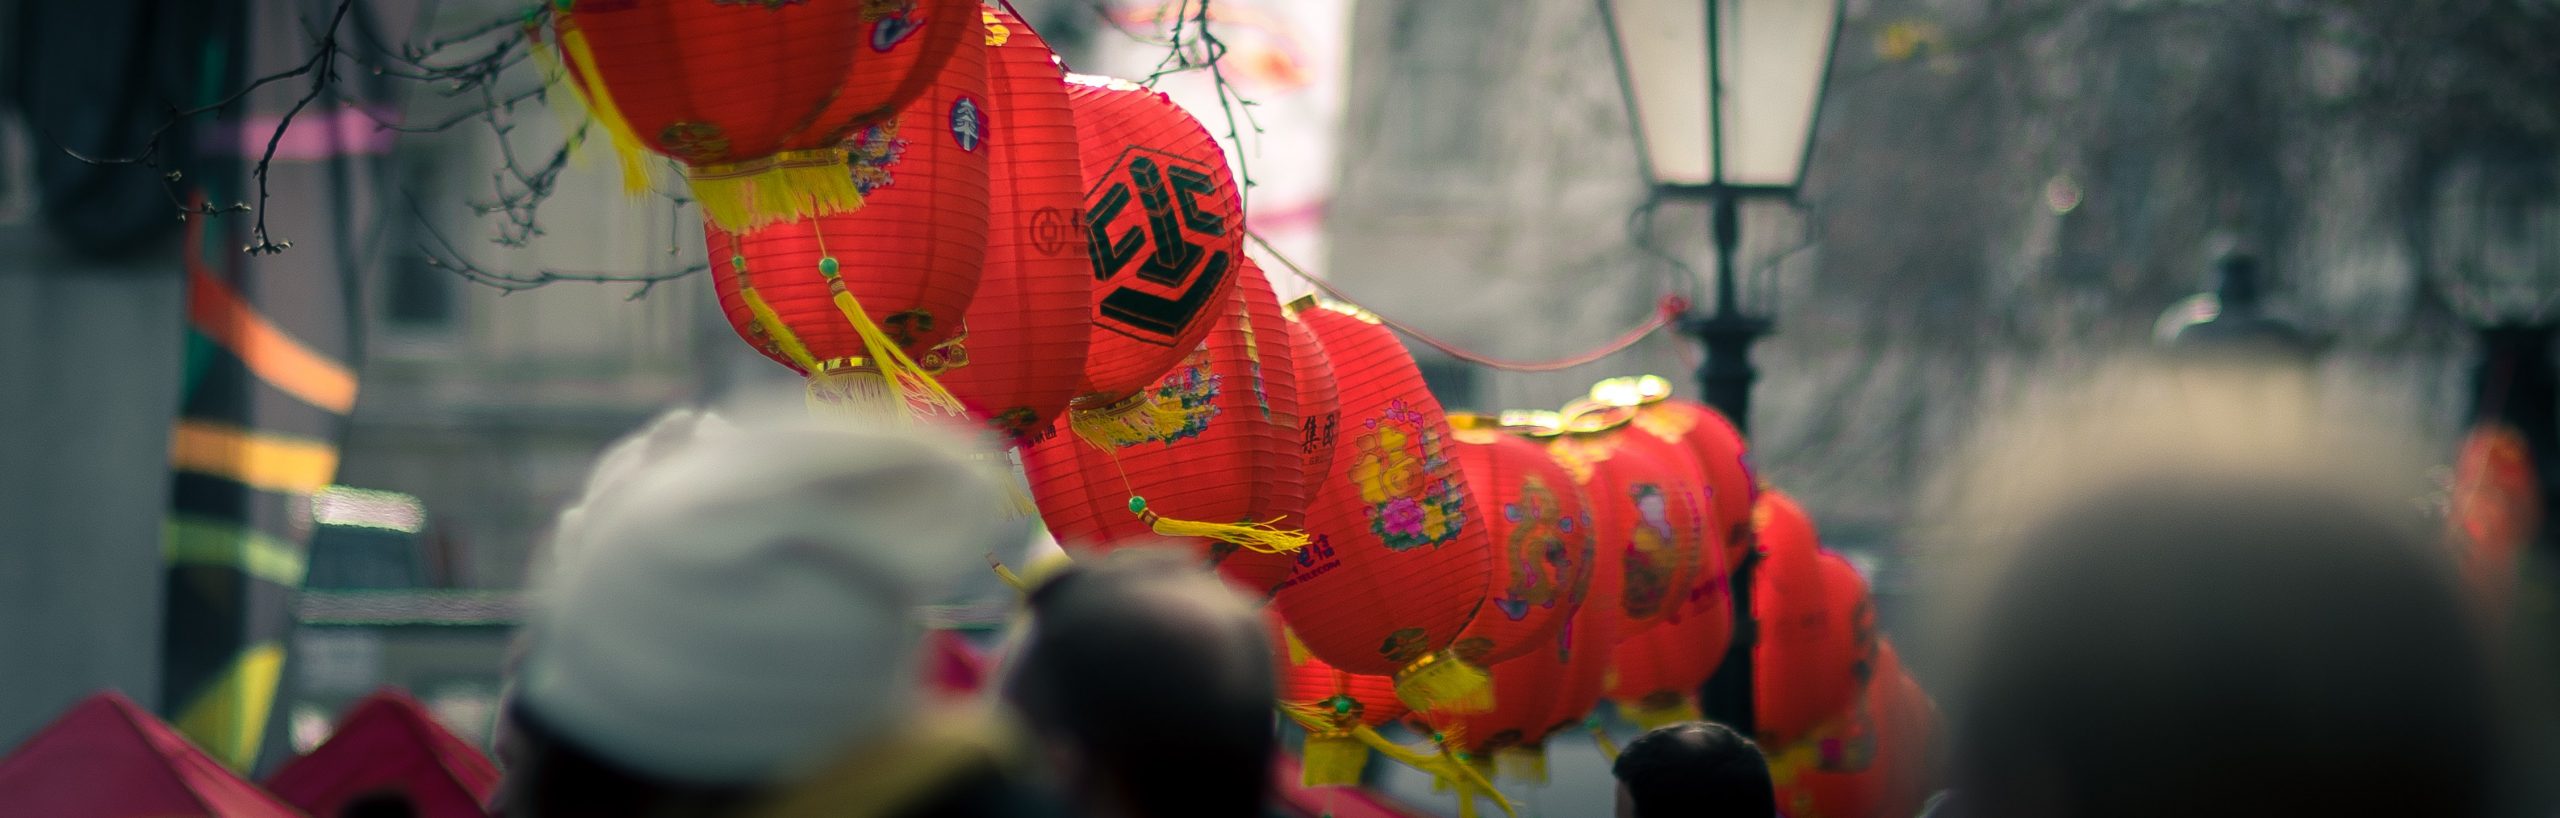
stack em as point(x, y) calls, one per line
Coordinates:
point(1653, 712)
point(1261, 538)
point(1526, 763)
point(1298, 653)
point(1600, 738)
point(909, 382)
point(1442, 683)
point(627, 148)
point(1332, 760)
point(771, 322)
point(559, 94)
point(1440, 765)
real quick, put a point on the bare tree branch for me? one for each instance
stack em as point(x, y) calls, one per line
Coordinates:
point(441, 254)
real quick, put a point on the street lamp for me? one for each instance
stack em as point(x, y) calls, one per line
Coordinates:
point(1724, 94)
point(2232, 320)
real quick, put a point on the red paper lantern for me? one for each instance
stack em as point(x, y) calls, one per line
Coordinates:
point(2496, 505)
point(1397, 566)
point(1020, 352)
point(1543, 556)
point(1869, 765)
point(1319, 399)
point(755, 98)
point(1641, 506)
point(1731, 485)
point(1577, 661)
point(1343, 701)
point(1705, 608)
point(860, 302)
point(1657, 668)
point(1541, 532)
point(1807, 665)
point(1165, 230)
point(1234, 463)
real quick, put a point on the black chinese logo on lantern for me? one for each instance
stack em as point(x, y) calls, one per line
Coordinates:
point(1159, 242)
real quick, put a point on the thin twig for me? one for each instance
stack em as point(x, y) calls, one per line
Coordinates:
point(441, 254)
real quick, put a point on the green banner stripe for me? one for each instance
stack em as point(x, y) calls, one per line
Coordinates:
point(199, 541)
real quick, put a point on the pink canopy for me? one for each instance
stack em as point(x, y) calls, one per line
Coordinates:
point(388, 742)
point(108, 758)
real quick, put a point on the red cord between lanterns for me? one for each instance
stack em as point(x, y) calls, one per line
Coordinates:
point(1668, 311)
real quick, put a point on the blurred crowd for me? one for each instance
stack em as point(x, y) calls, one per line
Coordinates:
point(726, 632)
point(2187, 591)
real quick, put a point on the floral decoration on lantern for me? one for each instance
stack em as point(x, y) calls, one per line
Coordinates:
point(1230, 481)
point(1385, 587)
point(1543, 538)
point(1408, 508)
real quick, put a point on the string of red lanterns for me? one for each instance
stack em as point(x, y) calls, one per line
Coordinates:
point(1061, 259)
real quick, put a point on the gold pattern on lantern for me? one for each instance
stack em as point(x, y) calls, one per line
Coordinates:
point(695, 142)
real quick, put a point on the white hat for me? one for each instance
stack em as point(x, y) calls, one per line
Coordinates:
point(629, 457)
point(738, 610)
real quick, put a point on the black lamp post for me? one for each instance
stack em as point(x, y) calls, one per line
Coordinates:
point(1724, 95)
point(2232, 320)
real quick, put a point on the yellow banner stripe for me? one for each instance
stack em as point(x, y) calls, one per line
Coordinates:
point(229, 719)
point(271, 462)
point(197, 541)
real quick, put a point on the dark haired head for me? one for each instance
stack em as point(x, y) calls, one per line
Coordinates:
point(1155, 679)
point(381, 804)
point(2227, 647)
point(1693, 770)
point(553, 777)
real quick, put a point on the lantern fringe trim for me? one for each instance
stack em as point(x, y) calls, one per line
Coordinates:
point(1298, 653)
point(589, 86)
point(1444, 768)
point(857, 394)
point(1442, 683)
point(1332, 760)
point(1020, 504)
point(785, 187)
point(1525, 764)
point(1140, 418)
point(1648, 717)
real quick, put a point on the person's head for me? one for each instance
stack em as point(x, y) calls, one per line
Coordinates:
point(385, 804)
point(1149, 682)
point(2226, 646)
point(734, 615)
point(1693, 769)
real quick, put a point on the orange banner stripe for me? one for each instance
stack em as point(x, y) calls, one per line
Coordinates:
point(271, 462)
point(275, 356)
